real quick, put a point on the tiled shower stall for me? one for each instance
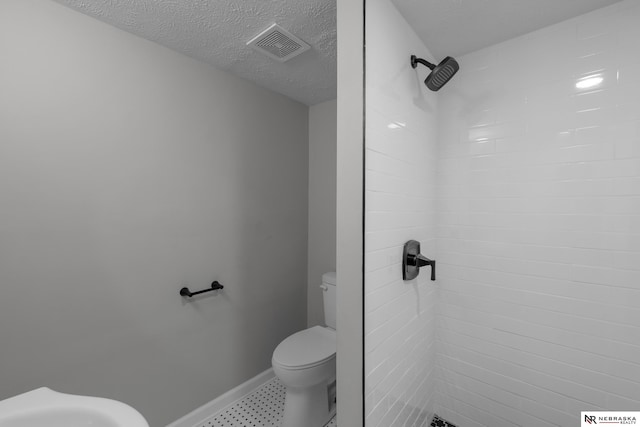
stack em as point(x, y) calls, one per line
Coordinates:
point(524, 185)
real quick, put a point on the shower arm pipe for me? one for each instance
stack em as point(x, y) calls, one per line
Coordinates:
point(185, 292)
point(415, 61)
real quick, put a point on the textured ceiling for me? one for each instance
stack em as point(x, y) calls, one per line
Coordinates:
point(216, 31)
point(457, 27)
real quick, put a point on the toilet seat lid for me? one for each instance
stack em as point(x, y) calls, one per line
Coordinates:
point(306, 348)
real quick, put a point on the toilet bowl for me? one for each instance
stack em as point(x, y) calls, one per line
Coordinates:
point(305, 363)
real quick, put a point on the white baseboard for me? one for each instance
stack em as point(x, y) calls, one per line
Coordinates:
point(200, 414)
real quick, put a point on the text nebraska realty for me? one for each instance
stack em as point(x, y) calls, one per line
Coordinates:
point(592, 419)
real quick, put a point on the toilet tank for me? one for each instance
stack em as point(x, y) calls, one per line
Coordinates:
point(329, 296)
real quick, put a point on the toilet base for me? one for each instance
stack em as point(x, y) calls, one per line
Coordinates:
point(308, 407)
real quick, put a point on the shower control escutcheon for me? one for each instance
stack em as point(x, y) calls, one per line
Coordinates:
point(412, 260)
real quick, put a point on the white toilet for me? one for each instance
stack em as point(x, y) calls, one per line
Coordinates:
point(305, 362)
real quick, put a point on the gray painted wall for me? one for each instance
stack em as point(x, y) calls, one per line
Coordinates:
point(322, 204)
point(126, 171)
point(349, 207)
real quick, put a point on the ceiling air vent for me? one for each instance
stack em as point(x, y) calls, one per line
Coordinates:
point(278, 43)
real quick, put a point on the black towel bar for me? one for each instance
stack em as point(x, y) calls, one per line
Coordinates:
point(185, 292)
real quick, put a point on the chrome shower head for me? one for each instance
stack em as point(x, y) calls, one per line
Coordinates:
point(440, 74)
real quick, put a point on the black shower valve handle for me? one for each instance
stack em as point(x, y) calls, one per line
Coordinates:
point(422, 261)
point(412, 260)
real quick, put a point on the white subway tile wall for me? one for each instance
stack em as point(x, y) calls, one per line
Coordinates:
point(538, 224)
point(400, 193)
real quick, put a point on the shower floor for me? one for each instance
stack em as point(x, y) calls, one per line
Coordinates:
point(263, 407)
point(439, 422)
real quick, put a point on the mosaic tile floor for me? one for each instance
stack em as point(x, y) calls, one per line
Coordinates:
point(439, 422)
point(262, 408)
